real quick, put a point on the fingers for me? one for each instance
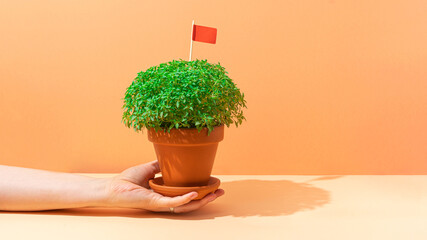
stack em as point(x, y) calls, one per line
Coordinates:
point(194, 205)
point(165, 203)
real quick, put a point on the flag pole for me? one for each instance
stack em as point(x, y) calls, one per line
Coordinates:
point(191, 44)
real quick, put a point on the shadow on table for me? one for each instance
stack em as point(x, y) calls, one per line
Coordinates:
point(243, 198)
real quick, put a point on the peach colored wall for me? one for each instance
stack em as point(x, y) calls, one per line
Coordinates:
point(333, 87)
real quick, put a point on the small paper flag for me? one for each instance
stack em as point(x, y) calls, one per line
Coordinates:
point(204, 34)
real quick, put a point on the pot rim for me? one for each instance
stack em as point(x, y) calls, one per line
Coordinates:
point(181, 128)
point(186, 136)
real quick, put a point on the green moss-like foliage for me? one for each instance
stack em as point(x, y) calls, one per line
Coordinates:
point(183, 94)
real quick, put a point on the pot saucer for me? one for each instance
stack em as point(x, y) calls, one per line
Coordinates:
point(158, 186)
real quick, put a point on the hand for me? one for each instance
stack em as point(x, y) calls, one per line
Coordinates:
point(130, 189)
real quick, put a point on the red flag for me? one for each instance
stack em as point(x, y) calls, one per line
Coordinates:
point(204, 34)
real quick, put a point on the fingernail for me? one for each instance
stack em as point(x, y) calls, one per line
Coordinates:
point(212, 197)
point(195, 194)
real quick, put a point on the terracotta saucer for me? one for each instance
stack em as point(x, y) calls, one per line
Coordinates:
point(158, 186)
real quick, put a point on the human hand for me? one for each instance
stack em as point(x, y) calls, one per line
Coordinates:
point(130, 189)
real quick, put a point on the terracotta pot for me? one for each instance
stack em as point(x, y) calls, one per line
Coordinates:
point(186, 156)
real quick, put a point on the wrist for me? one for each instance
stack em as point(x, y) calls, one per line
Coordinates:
point(98, 193)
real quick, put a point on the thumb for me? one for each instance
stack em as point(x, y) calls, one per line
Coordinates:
point(149, 171)
point(142, 173)
point(152, 167)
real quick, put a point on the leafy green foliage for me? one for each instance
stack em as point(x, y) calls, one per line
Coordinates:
point(183, 94)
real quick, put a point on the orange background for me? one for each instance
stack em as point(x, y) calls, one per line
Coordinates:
point(333, 87)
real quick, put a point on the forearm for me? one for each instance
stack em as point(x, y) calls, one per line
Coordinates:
point(23, 189)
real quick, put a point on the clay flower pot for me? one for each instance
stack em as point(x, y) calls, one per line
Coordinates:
point(186, 156)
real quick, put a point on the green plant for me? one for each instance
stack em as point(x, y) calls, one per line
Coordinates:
point(183, 94)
